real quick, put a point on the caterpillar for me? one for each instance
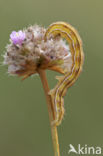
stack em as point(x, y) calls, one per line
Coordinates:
point(67, 32)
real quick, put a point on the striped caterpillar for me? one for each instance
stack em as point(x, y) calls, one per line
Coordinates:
point(67, 32)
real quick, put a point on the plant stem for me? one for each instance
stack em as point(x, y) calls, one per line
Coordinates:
point(54, 132)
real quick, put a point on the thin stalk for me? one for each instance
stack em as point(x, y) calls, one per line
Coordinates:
point(54, 132)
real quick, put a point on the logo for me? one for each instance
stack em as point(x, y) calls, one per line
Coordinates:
point(80, 150)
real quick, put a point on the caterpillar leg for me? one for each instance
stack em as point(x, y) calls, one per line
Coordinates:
point(59, 112)
point(58, 117)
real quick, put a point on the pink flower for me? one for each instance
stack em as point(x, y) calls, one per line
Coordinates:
point(17, 37)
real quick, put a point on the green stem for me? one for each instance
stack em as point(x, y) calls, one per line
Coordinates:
point(54, 132)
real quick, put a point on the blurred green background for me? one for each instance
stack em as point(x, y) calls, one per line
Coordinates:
point(24, 122)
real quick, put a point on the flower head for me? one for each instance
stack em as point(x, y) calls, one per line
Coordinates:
point(17, 37)
point(25, 59)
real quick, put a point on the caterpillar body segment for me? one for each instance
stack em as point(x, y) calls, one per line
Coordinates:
point(67, 32)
